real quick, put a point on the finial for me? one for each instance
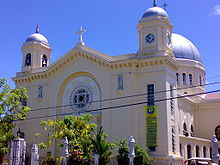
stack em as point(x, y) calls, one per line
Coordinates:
point(80, 32)
point(37, 29)
point(155, 3)
point(165, 5)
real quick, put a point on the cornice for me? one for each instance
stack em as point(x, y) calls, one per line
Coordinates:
point(153, 22)
point(194, 138)
point(96, 58)
point(36, 45)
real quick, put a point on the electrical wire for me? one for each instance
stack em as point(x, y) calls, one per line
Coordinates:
point(128, 96)
point(122, 106)
point(218, 75)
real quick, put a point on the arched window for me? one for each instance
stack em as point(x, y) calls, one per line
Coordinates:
point(177, 78)
point(44, 61)
point(185, 130)
point(189, 152)
point(210, 152)
point(150, 94)
point(40, 91)
point(120, 82)
point(181, 152)
point(184, 78)
point(197, 151)
point(191, 131)
point(200, 80)
point(28, 60)
point(190, 79)
point(217, 132)
point(204, 152)
point(173, 140)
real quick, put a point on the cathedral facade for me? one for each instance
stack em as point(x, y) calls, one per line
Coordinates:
point(157, 95)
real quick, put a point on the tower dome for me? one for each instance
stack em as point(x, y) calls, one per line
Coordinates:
point(185, 49)
point(155, 11)
point(35, 52)
point(37, 37)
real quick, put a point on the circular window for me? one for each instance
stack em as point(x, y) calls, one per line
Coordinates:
point(81, 97)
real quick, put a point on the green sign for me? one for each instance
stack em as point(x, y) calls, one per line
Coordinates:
point(151, 125)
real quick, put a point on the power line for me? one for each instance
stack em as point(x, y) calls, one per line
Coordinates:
point(128, 96)
point(122, 106)
point(218, 75)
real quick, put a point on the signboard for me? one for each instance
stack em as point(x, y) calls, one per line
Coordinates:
point(151, 125)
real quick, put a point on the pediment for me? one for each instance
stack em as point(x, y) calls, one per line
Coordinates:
point(97, 58)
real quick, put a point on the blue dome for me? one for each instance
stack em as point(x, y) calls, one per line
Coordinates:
point(155, 11)
point(185, 49)
point(37, 37)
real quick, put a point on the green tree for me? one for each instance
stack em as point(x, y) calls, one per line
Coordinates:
point(141, 156)
point(101, 146)
point(11, 109)
point(78, 130)
point(122, 156)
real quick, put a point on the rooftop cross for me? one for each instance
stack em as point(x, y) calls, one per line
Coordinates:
point(165, 5)
point(155, 3)
point(37, 29)
point(80, 32)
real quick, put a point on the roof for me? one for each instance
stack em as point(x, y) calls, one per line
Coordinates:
point(212, 96)
point(37, 37)
point(155, 11)
point(185, 49)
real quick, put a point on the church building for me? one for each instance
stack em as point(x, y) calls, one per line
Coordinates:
point(157, 94)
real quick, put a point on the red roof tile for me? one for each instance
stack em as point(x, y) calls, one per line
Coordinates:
point(212, 96)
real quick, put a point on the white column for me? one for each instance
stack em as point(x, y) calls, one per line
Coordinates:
point(131, 153)
point(214, 145)
point(34, 155)
point(17, 152)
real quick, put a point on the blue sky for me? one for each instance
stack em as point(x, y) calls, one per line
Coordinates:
point(111, 27)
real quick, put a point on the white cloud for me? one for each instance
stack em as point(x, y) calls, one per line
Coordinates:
point(215, 11)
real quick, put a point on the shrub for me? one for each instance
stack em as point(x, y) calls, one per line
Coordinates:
point(122, 156)
point(141, 156)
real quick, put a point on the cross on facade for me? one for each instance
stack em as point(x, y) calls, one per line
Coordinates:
point(80, 32)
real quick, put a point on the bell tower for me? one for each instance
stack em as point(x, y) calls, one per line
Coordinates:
point(36, 52)
point(155, 30)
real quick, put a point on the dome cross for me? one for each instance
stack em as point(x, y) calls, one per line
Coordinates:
point(38, 29)
point(165, 5)
point(155, 3)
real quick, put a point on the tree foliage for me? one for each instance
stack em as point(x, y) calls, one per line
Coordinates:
point(85, 138)
point(11, 109)
point(122, 156)
point(101, 146)
point(141, 156)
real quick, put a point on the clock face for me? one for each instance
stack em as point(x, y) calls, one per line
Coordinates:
point(168, 38)
point(150, 38)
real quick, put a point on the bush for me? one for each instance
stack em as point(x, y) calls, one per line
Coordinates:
point(141, 156)
point(49, 160)
point(122, 156)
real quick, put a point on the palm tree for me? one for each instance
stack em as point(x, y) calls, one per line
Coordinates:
point(101, 146)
